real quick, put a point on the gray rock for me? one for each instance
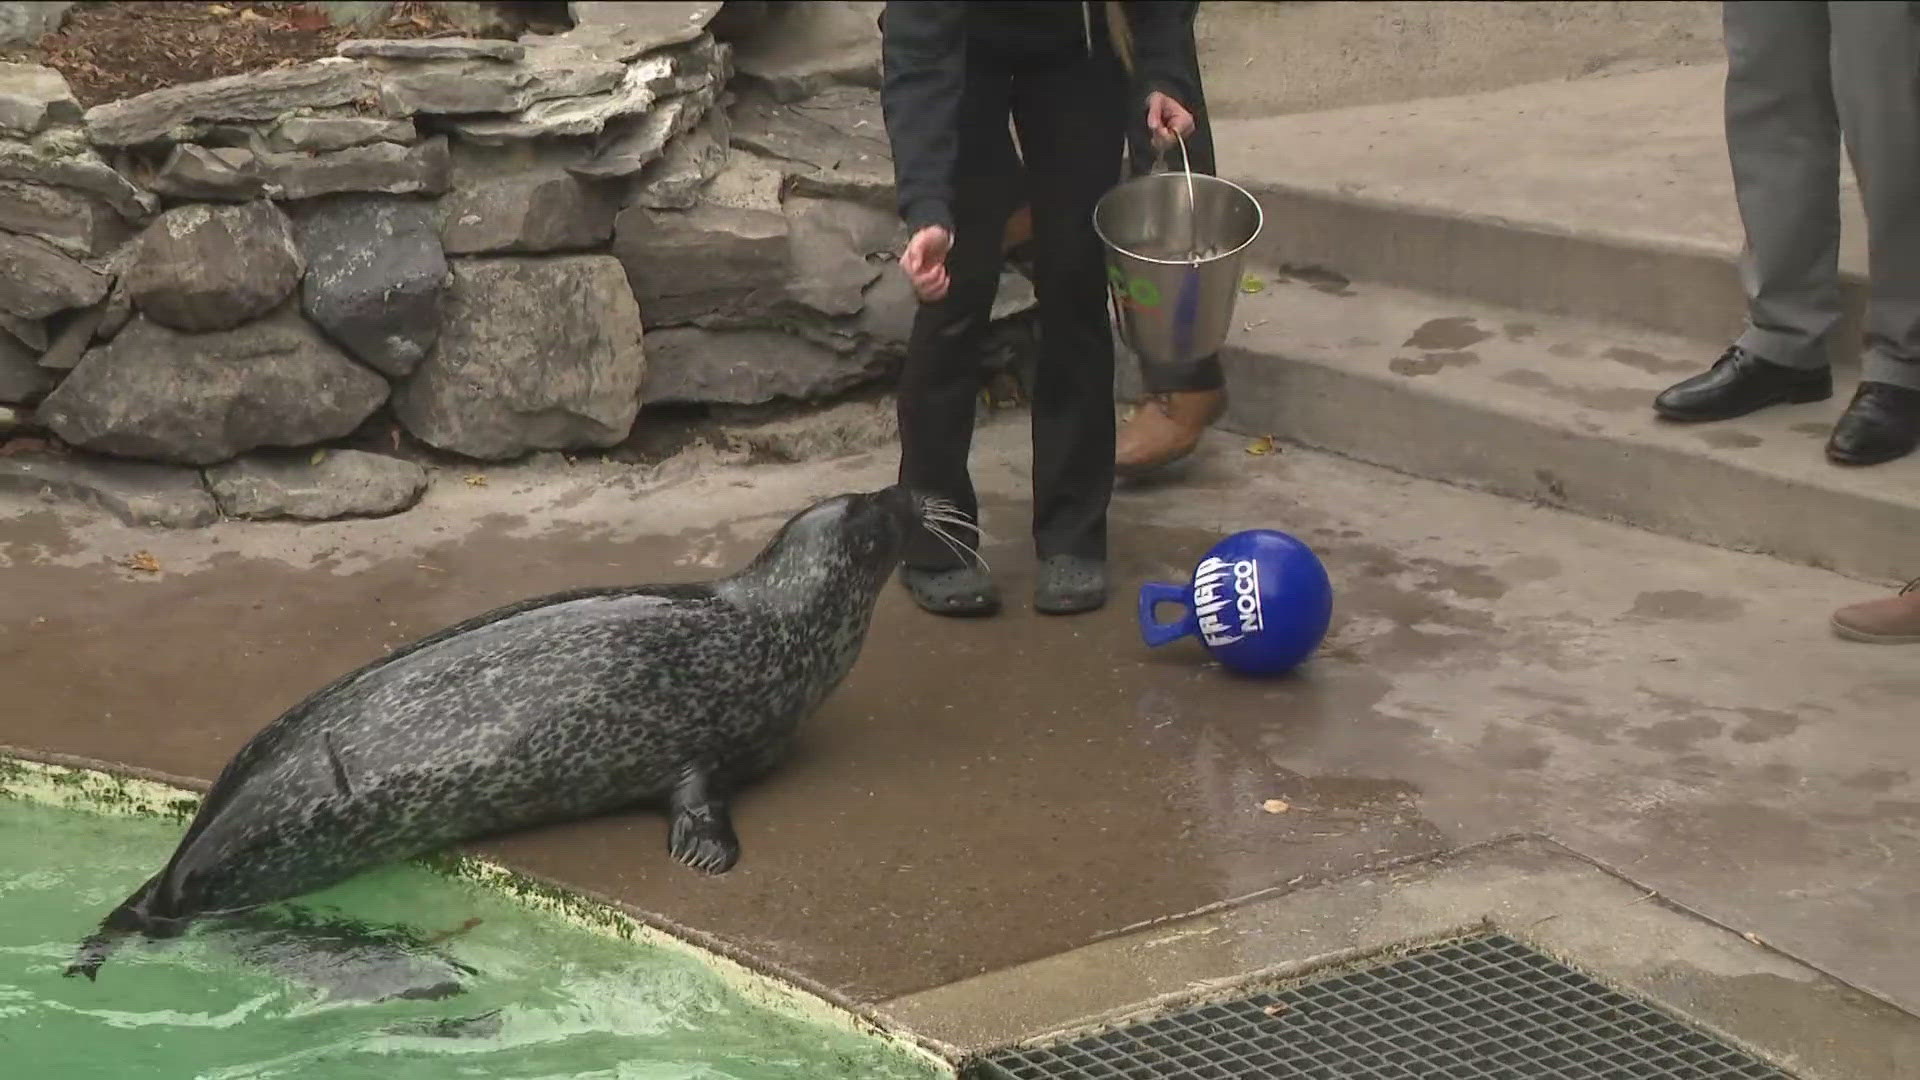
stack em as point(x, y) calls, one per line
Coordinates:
point(22, 380)
point(117, 309)
point(37, 280)
point(549, 112)
point(806, 48)
point(745, 367)
point(221, 174)
point(479, 17)
point(432, 49)
point(643, 28)
point(562, 71)
point(640, 142)
point(135, 492)
point(376, 277)
point(545, 210)
point(749, 182)
point(740, 19)
point(383, 168)
point(262, 95)
point(687, 263)
point(828, 244)
point(57, 162)
point(535, 354)
point(451, 87)
point(213, 268)
point(833, 144)
point(673, 182)
point(33, 97)
point(23, 24)
point(198, 399)
point(319, 134)
point(71, 342)
point(320, 486)
point(886, 316)
point(29, 332)
point(71, 220)
point(851, 427)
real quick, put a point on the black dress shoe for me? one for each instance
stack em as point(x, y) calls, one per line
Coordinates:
point(1881, 423)
point(1739, 383)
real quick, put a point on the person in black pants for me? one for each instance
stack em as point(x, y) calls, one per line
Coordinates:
point(953, 75)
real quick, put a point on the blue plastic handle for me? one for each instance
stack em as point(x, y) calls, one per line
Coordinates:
point(1154, 632)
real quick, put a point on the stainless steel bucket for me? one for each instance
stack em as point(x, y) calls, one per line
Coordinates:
point(1175, 245)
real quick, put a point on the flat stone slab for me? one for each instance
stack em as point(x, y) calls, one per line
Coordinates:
point(803, 49)
point(833, 144)
point(319, 486)
point(643, 28)
point(33, 97)
point(151, 116)
point(72, 164)
point(432, 49)
point(79, 224)
point(135, 492)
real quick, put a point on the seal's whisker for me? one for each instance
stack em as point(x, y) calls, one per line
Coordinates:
point(958, 546)
point(951, 546)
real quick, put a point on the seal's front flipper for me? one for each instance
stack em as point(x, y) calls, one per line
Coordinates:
point(702, 835)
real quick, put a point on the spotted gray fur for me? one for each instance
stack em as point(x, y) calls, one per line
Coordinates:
point(550, 709)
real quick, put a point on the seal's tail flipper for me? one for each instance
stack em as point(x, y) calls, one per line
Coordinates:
point(122, 922)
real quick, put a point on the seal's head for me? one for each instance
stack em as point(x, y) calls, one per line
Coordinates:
point(857, 538)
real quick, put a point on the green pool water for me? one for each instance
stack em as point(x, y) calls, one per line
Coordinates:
point(545, 998)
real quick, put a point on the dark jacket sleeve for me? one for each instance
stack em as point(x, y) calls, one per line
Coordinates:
point(923, 58)
point(1162, 56)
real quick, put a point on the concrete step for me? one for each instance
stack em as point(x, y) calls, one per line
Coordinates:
point(1606, 198)
point(1557, 410)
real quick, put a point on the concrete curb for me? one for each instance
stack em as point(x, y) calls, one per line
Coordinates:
point(1558, 412)
point(1670, 286)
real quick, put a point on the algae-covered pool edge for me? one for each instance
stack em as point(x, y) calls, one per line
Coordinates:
point(101, 790)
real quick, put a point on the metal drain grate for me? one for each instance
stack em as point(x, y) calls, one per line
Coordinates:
point(1483, 1009)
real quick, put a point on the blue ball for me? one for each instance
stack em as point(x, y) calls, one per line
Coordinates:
point(1260, 602)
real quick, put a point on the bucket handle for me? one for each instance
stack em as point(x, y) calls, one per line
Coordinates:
point(1193, 204)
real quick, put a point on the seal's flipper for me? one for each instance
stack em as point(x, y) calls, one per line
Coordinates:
point(702, 835)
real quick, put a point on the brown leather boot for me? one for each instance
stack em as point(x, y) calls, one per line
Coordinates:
point(1894, 620)
point(1165, 428)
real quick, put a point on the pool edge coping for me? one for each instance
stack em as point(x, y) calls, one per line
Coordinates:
point(66, 781)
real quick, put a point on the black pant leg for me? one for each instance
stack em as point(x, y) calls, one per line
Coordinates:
point(940, 382)
point(1072, 124)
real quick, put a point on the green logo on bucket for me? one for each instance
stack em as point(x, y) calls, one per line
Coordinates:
point(1133, 292)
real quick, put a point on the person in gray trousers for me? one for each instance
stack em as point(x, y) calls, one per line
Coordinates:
point(1799, 76)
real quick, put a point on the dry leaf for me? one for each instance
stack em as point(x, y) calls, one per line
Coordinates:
point(1263, 445)
point(143, 561)
point(318, 457)
point(251, 15)
point(1275, 806)
point(1275, 1009)
point(476, 480)
point(219, 9)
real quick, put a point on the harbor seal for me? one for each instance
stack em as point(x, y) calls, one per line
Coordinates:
point(555, 708)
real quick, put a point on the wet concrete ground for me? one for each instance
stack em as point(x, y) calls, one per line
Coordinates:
point(984, 793)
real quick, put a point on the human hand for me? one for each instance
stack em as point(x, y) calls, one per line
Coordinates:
point(925, 262)
point(1165, 118)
